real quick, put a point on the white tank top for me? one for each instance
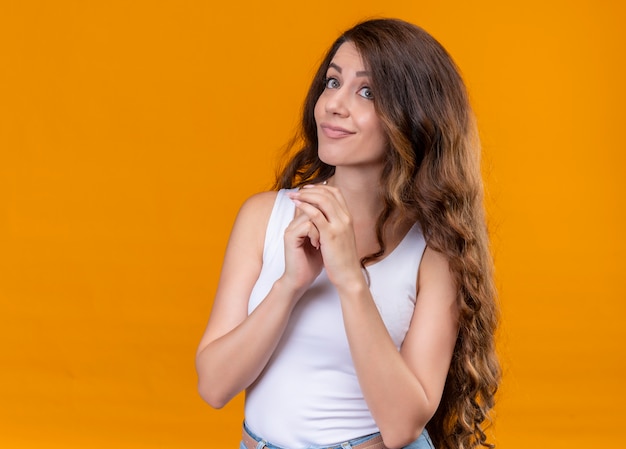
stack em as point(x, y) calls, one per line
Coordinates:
point(309, 393)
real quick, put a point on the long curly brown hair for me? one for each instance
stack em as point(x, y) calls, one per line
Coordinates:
point(432, 176)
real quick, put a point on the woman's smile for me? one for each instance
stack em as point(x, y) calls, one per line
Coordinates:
point(335, 132)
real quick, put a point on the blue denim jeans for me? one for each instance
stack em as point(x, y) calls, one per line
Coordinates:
point(423, 442)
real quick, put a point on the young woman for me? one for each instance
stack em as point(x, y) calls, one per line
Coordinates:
point(356, 303)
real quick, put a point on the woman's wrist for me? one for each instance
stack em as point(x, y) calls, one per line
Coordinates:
point(354, 286)
point(286, 288)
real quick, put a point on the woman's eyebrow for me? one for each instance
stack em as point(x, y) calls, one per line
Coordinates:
point(334, 66)
point(359, 73)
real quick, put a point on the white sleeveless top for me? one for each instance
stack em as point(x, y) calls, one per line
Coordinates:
point(309, 393)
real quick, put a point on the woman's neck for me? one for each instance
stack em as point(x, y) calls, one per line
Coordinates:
point(364, 199)
point(361, 191)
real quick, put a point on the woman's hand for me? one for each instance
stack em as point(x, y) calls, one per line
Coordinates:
point(303, 261)
point(325, 208)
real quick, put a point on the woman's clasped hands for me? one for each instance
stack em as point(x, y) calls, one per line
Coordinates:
point(321, 235)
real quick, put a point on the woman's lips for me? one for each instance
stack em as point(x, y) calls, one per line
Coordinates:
point(335, 132)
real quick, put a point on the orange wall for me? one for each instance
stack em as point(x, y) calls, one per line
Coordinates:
point(130, 132)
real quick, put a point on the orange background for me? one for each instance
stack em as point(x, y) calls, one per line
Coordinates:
point(130, 133)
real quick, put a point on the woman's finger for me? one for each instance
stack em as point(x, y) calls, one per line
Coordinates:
point(302, 228)
point(321, 199)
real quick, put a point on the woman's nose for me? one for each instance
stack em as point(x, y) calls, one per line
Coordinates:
point(337, 103)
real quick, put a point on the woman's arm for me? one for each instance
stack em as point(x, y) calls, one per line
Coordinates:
point(402, 389)
point(236, 347)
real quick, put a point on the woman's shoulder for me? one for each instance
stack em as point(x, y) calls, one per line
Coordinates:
point(258, 213)
point(258, 206)
point(263, 202)
point(252, 219)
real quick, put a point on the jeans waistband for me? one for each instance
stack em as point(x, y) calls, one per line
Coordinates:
point(374, 441)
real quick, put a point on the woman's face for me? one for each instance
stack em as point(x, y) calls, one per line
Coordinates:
point(349, 131)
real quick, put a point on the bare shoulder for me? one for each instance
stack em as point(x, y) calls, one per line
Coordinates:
point(434, 260)
point(260, 203)
point(434, 273)
point(253, 217)
point(254, 213)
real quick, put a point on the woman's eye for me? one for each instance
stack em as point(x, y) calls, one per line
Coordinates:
point(331, 83)
point(366, 92)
